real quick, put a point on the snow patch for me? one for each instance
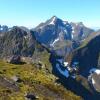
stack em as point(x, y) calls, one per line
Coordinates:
point(60, 60)
point(73, 31)
point(25, 37)
point(65, 22)
point(65, 64)
point(76, 63)
point(93, 81)
point(40, 27)
point(76, 24)
point(1, 29)
point(65, 30)
point(75, 68)
point(69, 69)
point(54, 42)
point(72, 35)
point(94, 70)
point(97, 71)
point(9, 29)
point(64, 72)
point(73, 76)
point(73, 28)
point(53, 20)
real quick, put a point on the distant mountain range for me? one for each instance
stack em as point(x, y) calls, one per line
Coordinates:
point(58, 35)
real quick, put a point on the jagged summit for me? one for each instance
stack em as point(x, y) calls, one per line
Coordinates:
point(53, 20)
point(55, 29)
point(54, 17)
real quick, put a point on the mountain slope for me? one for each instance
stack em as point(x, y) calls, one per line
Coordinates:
point(3, 28)
point(86, 62)
point(61, 36)
point(18, 42)
point(59, 30)
point(22, 80)
point(88, 55)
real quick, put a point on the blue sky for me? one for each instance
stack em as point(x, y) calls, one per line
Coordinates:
point(31, 12)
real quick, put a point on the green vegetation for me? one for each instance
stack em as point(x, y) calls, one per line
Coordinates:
point(33, 80)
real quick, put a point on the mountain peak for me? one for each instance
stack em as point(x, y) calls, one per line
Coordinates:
point(53, 20)
point(54, 17)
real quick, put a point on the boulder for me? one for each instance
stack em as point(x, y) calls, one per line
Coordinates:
point(94, 79)
point(14, 59)
point(31, 96)
point(40, 65)
point(16, 79)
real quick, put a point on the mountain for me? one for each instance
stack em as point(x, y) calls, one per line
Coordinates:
point(94, 79)
point(26, 80)
point(17, 42)
point(80, 31)
point(59, 57)
point(60, 35)
point(3, 28)
point(55, 29)
point(52, 30)
point(87, 57)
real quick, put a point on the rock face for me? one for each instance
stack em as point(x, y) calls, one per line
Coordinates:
point(94, 79)
point(18, 42)
point(88, 55)
point(15, 59)
point(31, 96)
point(19, 45)
point(80, 31)
point(55, 29)
point(4, 82)
point(61, 35)
point(49, 31)
point(3, 28)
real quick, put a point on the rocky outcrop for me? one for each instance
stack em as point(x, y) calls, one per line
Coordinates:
point(87, 56)
point(3, 28)
point(61, 36)
point(6, 83)
point(18, 42)
point(31, 96)
point(14, 59)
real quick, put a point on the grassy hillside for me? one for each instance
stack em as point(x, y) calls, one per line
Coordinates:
point(32, 80)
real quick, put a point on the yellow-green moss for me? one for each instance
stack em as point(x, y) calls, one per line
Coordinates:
point(32, 79)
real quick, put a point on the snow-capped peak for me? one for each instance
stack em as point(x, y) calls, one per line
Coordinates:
point(53, 19)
